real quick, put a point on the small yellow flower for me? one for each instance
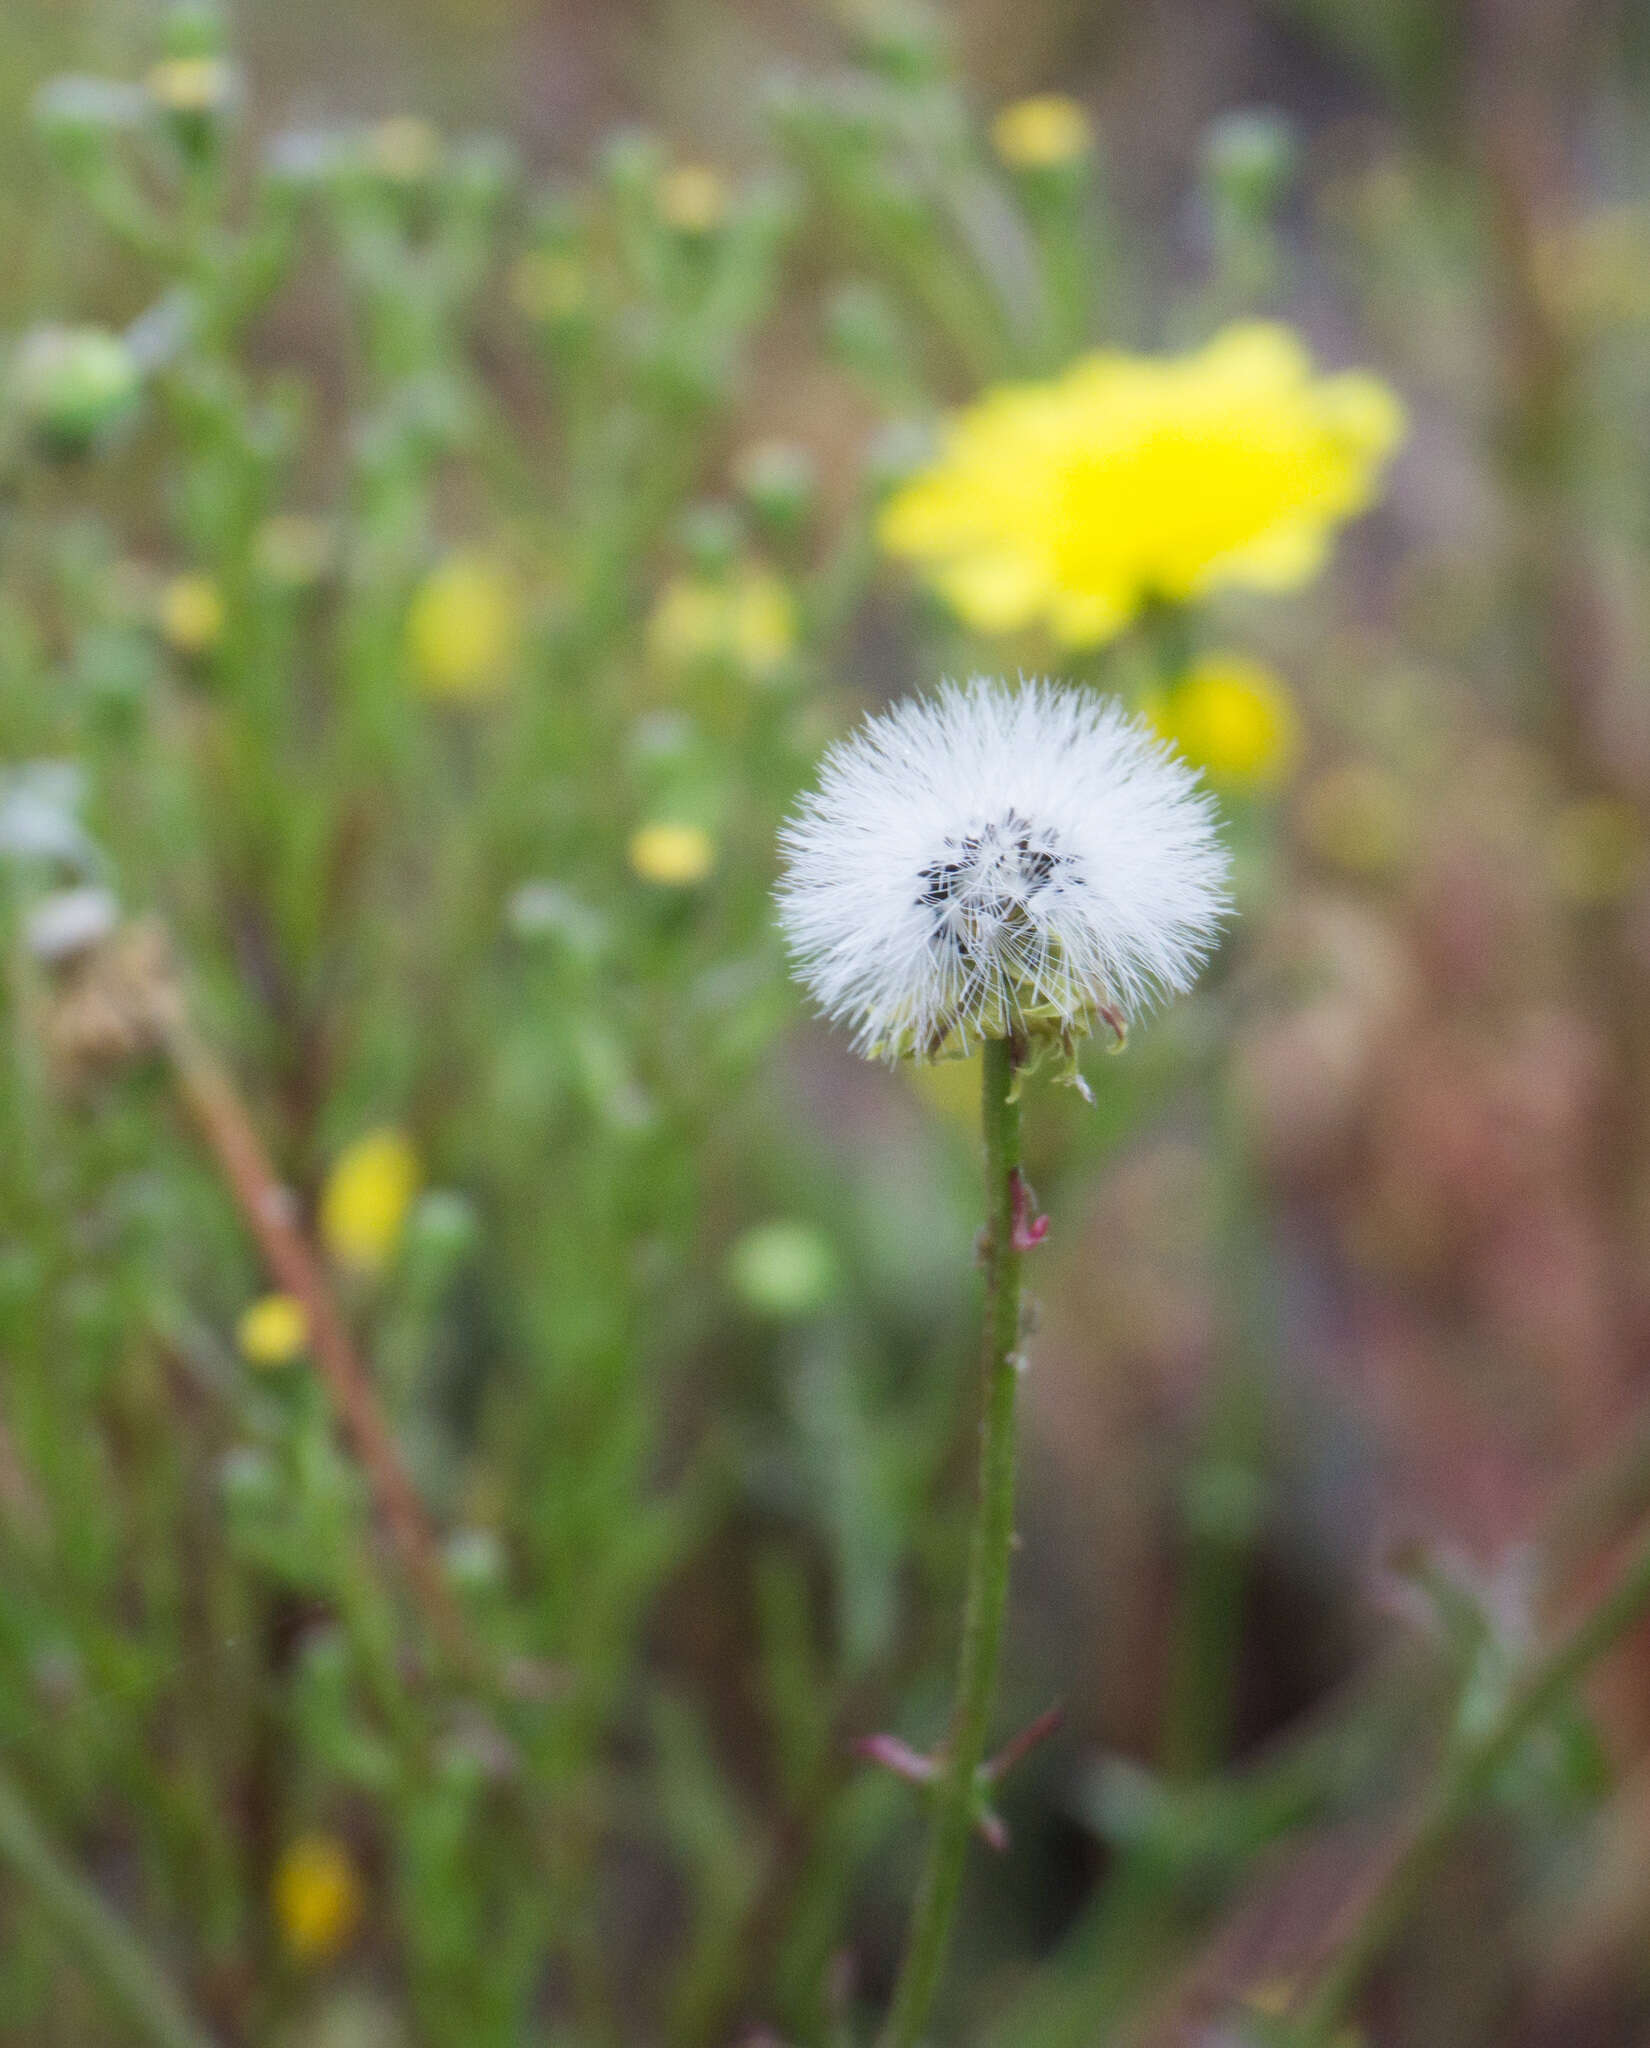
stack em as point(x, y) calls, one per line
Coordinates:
point(747, 622)
point(692, 199)
point(317, 1896)
point(1042, 133)
point(462, 628)
point(193, 85)
point(1234, 719)
point(1595, 849)
point(366, 1198)
point(1129, 478)
point(273, 1331)
point(674, 856)
point(548, 287)
point(191, 614)
point(404, 148)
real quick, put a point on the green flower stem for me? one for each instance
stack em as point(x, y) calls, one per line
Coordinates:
point(956, 1793)
point(133, 1983)
point(1464, 1782)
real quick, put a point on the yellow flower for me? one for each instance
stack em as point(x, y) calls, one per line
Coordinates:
point(675, 856)
point(1233, 718)
point(462, 628)
point(191, 614)
point(317, 1896)
point(548, 287)
point(366, 1198)
point(404, 148)
point(1132, 478)
point(273, 1331)
point(692, 199)
point(193, 85)
point(1042, 133)
point(747, 621)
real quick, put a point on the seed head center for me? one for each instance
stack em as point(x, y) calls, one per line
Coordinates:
point(988, 877)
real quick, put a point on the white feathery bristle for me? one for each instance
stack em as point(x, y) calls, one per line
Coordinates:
point(990, 859)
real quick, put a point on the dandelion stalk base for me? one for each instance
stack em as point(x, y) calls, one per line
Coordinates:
point(957, 1792)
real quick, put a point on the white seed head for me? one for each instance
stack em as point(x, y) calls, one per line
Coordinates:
point(992, 861)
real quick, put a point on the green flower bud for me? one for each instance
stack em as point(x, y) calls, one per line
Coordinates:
point(248, 1480)
point(784, 1269)
point(898, 449)
point(194, 97)
point(474, 1559)
point(905, 39)
point(485, 171)
point(711, 534)
point(193, 28)
point(780, 483)
point(74, 386)
point(866, 334)
point(305, 161)
point(76, 117)
point(442, 1231)
point(1248, 160)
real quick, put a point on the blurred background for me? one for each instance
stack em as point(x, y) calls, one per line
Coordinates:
point(439, 475)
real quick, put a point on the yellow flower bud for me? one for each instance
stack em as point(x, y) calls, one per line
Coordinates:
point(366, 1198)
point(193, 85)
point(462, 628)
point(747, 622)
point(692, 199)
point(273, 1331)
point(1233, 718)
point(191, 614)
point(404, 148)
point(674, 856)
point(317, 1897)
point(547, 287)
point(1042, 133)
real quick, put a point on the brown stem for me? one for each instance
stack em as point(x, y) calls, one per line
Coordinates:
point(267, 1207)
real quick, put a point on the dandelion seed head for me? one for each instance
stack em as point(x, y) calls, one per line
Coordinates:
point(990, 862)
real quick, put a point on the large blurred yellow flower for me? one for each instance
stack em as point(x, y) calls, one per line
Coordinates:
point(366, 1198)
point(1133, 478)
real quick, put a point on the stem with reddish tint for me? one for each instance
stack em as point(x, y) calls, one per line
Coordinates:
point(957, 1792)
